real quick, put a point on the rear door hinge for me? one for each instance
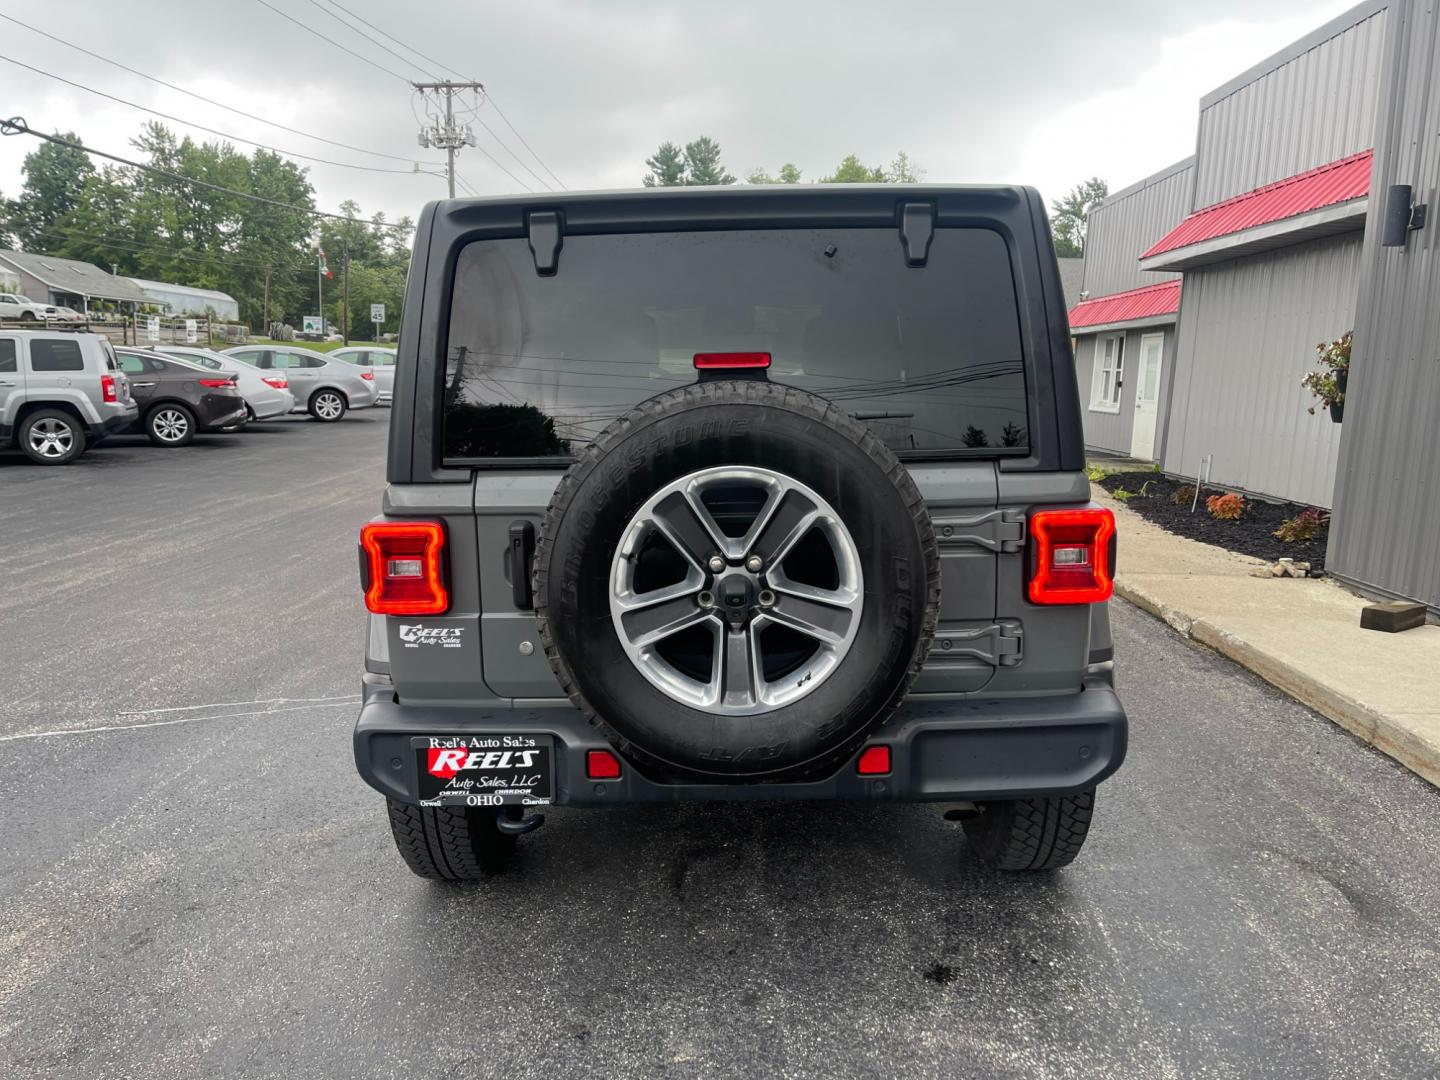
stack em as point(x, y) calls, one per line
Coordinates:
point(1000, 531)
point(917, 229)
point(547, 236)
point(999, 645)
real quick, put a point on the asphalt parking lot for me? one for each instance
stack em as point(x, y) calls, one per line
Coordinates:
point(194, 881)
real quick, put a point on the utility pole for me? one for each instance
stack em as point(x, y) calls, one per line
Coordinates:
point(444, 134)
point(345, 269)
point(265, 330)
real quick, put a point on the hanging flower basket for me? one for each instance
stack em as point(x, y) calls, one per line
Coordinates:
point(1328, 383)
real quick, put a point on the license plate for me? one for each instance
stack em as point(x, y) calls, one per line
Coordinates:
point(484, 770)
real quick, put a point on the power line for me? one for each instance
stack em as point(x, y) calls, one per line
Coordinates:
point(343, 48)
point(539, 179)
point(367, 37)
point(17, 126)
point(458, 75)
point(206, 100)
point(134, 247)
point(525, 144)
point(199, 127)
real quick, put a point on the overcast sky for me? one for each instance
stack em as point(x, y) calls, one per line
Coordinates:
point(1033, 92)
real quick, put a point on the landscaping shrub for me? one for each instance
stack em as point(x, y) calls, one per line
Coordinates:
point(1183, 496)
point(1303, 526)
point(1225, 507)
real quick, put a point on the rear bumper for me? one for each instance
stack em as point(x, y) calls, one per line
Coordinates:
point(222, 414)
point(271, 403)
point(941, 751)
point(114, 420)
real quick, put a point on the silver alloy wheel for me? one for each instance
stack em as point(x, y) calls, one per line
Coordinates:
point(170, 425)
point(328, 406)
point(738, 606)
point(51, 438)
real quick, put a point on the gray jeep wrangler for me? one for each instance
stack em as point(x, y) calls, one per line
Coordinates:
point(741, 493)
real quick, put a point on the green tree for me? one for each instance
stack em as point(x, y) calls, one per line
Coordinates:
point(667, 167)
point(852, 171)
point(903, 171)
point(789, 174)
point(702, 163)
point(54, 176)
point(1069, 216)
point(974, 437)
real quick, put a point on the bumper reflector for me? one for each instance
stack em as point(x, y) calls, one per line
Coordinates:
point(601, 765)
point(874, 761)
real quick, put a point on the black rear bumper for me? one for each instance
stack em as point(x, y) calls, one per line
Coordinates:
point(941, 751)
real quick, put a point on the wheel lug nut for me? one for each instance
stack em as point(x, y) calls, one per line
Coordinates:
point(717, 564)
point(766, 598)
point(706, 599)
point(754, 564)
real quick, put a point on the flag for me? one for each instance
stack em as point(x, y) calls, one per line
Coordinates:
point(324, 266)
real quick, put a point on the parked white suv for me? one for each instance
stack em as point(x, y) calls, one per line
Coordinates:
point(20, 306)
point(60, 392)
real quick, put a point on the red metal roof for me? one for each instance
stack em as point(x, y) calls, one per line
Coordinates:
point(1145, 302)
point(1340, 181)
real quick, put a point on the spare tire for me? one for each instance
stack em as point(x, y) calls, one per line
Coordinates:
point(737, 581)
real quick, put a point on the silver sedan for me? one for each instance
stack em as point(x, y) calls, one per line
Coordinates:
point(380, 362)
point(266, 393)
point(323, 387)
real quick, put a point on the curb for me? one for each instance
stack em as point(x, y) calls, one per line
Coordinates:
point(1384, 732)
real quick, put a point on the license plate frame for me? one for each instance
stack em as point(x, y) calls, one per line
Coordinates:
point(504, 768)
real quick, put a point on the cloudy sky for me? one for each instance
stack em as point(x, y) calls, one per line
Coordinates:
point(1045, 93)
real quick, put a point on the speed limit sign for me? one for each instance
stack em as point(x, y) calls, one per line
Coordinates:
point(377, 313)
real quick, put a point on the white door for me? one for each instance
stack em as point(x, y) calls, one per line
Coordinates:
point(1147, 397)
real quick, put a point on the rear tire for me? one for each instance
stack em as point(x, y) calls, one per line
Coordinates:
point(451, 844)
point(170, 424)
point(328, 406)
point(51, 437)
point(1031, 834)
point(27, 316)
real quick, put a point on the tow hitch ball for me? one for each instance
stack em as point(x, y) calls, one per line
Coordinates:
point(517, 826)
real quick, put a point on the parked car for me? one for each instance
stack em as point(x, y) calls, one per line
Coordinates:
point(715, 471)
point(267, 394)
point(379, 362)
point(179, 400)
point(59, 393)
point(19, 306)
point(67, 315)
point(323, 387)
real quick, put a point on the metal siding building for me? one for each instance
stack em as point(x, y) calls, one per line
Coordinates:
point(1258, 297)
point(1121, 227)
point(1314, 101)
point(1247, 334)
point(1385, 536)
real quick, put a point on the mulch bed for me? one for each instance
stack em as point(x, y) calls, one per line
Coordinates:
point(1250, 535)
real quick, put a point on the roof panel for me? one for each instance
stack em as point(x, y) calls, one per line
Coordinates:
point(1146, 302)
point(1339, 181)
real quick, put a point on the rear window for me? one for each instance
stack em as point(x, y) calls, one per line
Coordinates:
point(56, 356)
point(930, 358)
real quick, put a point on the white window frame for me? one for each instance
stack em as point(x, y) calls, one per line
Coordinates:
point(1107, 374)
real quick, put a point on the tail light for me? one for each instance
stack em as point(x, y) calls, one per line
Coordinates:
point(402, 567)
point(278, 382)
point(1072, 553)
point(107, 389)
point(710, 361)
point(215, 384)
point(368, 376)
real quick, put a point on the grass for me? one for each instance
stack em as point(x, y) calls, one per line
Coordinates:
point(317, 346)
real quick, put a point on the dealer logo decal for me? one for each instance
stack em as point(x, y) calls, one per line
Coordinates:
point(446, 762)
point(416, 635)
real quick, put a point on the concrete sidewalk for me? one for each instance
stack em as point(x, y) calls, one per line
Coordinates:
point(1302, 635)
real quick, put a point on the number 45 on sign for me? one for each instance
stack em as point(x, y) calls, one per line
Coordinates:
point(377, 313)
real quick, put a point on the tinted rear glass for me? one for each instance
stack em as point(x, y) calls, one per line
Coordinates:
point(929, 357)
point(56, 356)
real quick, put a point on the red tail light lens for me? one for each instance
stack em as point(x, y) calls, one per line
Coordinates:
point(712, 360)
point(1071, 551)
point(278, 382)
point(874, 761)
point(107, 388)
point(215, 384)
point(601, 765)
point(402, 563)
point(368, 376)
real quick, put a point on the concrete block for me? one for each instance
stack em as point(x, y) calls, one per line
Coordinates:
point(1392, 617)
